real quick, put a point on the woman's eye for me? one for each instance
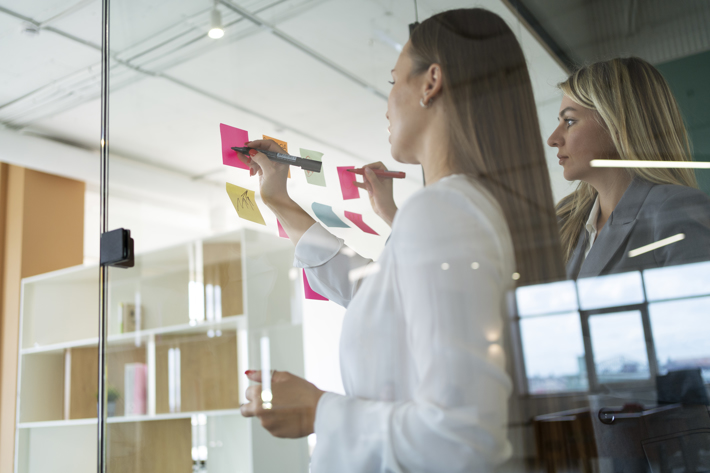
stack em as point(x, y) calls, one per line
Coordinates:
point(391, 82)
point(569, 122)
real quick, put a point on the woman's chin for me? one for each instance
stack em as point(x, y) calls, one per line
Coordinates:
point(396, 155)
point(569, 176)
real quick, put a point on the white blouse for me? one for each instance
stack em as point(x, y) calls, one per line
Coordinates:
point(591, 227)
point(420, 351)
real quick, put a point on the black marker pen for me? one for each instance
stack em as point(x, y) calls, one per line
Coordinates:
point(283, 158)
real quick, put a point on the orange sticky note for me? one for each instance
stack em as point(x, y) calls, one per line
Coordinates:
point(283, 145)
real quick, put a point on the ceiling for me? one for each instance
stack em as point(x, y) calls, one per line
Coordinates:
point(311, 72)
point(584, 31)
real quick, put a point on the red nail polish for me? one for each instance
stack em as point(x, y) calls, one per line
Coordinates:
point(248, 372)
point(252, 152)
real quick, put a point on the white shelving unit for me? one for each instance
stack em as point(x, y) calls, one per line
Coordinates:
point(217, 332)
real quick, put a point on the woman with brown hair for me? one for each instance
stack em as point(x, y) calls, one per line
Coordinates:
point(623, 109)
point(421, 355)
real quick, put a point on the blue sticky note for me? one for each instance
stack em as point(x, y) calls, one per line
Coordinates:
point(326, 215)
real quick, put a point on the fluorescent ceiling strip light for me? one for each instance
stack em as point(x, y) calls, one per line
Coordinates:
point(629, 163)
point(656, 245)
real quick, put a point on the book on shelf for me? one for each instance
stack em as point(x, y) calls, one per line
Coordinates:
point(135, 393)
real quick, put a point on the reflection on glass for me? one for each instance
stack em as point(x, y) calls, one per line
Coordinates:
point(199, 441)
point(554, 353)
point(174, 385)
point(681, 331)
point(619, 346)
point(612, 290)
point(546, 298)
point(196, 291)
point(209, 301)
point(672, 282)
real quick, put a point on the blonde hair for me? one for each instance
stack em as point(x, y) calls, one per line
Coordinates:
point(635, 104)
point(494, 130)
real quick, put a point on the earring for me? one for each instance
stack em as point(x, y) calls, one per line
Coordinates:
point(424, 105)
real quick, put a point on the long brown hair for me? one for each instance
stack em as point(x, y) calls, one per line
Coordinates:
point(494, 130)
point(634, 103)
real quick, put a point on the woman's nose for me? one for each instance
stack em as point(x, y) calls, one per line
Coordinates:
point(555, 140)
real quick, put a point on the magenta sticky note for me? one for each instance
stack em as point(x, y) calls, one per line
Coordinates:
point(347, 183)
point(357, 220)
point(310, 293)
point(232, 137)
point(282, 232)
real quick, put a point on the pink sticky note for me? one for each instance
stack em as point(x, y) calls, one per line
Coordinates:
point(310, 293)
point(347, 183)
point(232, 137)
point(357, 220)
point(282, 232)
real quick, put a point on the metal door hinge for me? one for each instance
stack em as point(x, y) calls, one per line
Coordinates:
point(117, 248)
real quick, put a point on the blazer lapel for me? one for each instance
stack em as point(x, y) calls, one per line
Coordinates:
point(604, 248)
point(617, 229)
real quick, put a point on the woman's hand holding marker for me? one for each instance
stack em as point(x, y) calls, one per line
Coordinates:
point(272, 175)
point(289, 410)
point(380, 192)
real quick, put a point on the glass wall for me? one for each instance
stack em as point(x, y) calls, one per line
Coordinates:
point(432, 335)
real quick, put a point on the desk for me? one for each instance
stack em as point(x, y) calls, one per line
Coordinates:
point(616, 440)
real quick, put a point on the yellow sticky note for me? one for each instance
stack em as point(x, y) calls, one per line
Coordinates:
point(283, 145)
point(244, 203)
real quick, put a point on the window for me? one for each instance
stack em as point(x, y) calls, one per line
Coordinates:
point(552, 338)
point(619, 347)
point(620, 328)
point(557, 364)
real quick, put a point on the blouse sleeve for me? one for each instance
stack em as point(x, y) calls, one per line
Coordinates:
point(452, 275)
point(328, 262)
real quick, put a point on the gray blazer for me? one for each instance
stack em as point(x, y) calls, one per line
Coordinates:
point(645, 214)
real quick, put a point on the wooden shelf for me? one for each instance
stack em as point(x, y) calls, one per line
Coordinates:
point(59, 361)
point(225, 322)
point(120, 419)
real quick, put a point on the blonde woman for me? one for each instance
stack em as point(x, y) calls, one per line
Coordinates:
point(420, 351)
point(624, 109)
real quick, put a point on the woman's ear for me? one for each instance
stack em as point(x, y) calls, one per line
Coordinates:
point(433, 82)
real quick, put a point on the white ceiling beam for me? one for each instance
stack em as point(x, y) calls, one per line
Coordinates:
point(141, 180)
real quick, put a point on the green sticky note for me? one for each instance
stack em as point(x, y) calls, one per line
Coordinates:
point(315, 178)
point(245, 203)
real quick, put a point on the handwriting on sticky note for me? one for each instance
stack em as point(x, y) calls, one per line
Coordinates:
point(315, 178)
point(326, 215)
point(347, 183)
point(232, 137)
point(282, 232)
point(244, 203)
point(357, 220)
point(282, 144)
point(310, 293)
